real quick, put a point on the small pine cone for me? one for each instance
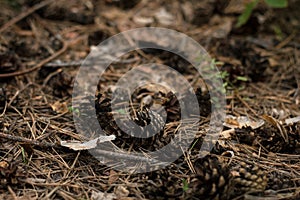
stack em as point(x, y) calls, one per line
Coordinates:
point(278, 181)
point(11, 173)
point(245, 135)
point(248, 177)
point(143, 117)
point(167, 184)
point(268, 137)
point(126, 133)
point(212, 180)
point(172, 107)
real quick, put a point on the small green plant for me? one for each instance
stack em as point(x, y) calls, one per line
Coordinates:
point(224, 75)
point(244, 17)
point(23, 155)
point(185, 185)
point(278, 31)
point(74, 110)
point(121, 111)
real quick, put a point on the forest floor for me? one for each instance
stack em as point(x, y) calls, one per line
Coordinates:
point(42, 46)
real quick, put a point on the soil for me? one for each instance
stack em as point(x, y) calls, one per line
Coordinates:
point(42, 46)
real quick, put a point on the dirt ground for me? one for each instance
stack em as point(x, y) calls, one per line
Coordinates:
point(42, 45)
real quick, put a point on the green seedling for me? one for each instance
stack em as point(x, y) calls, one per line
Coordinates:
point(23, 155)
point(244, 17)
point(185, 185)
point(74, 110)
point(121, 111)
point(278, 32)
point(242, 78)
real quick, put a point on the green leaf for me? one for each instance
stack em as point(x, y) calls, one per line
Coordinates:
point(244, 17)
point(242, 78)
point(185, 186)
point(277, 3)
point(121, 111)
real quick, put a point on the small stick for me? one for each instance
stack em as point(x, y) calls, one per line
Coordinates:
point(246, 104)
point(28, 141)
point(128, 157)
point(105, 153)
point(25, 14)
point(13, 194)
point(43, 62)
point(39, 65)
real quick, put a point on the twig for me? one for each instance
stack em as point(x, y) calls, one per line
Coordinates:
point(50, 76)
point(88, 62)
point(246, 104)
point(39, 65)
point(99, 151)
point(43, 62)
point(124, 156)
point(25, 14)
point(28, 141)
point(13, 194)
point(4, 110)
point(285, 41)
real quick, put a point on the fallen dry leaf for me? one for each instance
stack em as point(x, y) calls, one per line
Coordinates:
point(77, 145)
point(242, 121)
point(59, 107)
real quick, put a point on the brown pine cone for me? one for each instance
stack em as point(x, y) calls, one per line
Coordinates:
point(143, 117)
point(172, 107)
point(125, 135)
point(11, 173)
point(212, 180)
point(270, 138)
point(166, 184)
point(267, 137)
point(278, 181)
point(248, 177)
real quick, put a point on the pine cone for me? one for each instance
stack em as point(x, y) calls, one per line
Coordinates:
point(151, 135)
point(172, 107)
point(11, 173)
point(212, 180)
point(270, 138)
point(278, 181)
point(267, 136)
point(167, 184)
point(144, 116)
point(248, 177)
